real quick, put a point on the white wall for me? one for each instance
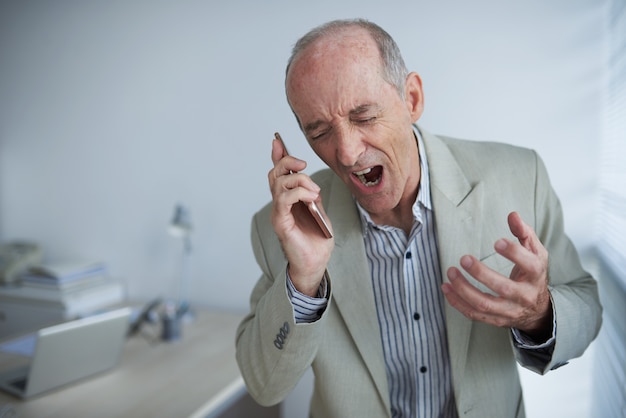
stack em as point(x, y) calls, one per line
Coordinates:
point(113, 111)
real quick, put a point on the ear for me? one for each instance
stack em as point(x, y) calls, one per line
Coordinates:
point(414, 96)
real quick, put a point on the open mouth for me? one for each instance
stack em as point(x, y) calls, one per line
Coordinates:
point(370, 176)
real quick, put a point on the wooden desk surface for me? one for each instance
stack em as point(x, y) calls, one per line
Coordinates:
point(186, 378)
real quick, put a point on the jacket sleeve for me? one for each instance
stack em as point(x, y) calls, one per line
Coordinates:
point(574, 292)
point(272, 351)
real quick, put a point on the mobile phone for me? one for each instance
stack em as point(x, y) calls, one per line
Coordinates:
point(313, 209)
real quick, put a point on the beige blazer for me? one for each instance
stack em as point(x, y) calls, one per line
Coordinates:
point(474, 186)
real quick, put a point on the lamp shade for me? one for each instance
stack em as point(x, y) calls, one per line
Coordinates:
point(181, 222)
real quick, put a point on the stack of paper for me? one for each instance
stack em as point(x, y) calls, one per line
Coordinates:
point(76, 285)
point(65, 275)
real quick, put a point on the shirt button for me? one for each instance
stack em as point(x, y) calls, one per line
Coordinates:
point(423, 369)
point(408, 255)
point(416, 316)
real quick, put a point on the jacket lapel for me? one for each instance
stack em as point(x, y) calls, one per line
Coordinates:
point(457, 205)
point(352, 285)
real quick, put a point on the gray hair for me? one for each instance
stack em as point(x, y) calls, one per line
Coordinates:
point(394, 69)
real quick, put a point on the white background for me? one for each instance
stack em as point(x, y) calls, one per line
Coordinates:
point(111, 112)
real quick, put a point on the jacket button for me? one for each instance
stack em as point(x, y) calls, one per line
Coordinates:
point(281, 337)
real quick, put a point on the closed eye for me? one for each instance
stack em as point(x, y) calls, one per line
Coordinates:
point(316, 130)
point(365, 120)
point(318, 135)
point(365, 114)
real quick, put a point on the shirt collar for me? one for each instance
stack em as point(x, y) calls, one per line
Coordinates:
point(423, 191)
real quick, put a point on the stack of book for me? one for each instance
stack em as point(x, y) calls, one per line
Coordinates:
point(59, 291)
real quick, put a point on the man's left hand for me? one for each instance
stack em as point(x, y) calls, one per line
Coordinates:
point(523, 300)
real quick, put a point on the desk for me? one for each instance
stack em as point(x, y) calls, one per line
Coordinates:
point(196, 376)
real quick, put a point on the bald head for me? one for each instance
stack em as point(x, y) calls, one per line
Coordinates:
point(393, 70)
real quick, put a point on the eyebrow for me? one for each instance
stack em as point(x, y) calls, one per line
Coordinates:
point(359, 110)
point(364, 108)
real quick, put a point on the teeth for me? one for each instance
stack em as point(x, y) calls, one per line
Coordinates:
point(360, 173)
point(369, 183)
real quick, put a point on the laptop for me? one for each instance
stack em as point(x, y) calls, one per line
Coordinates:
point(69, 352)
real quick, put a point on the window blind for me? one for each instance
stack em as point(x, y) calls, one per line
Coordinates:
point(612, 219)
point(609, 388)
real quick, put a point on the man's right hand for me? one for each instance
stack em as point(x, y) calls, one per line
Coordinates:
point(304, 244)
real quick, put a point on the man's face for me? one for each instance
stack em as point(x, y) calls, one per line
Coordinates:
point(356, 122)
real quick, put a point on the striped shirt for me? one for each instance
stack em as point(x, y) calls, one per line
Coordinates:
point(406, 278)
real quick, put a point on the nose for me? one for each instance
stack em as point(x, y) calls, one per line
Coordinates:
point(350, 146)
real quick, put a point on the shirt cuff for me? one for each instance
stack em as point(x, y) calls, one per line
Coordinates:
point(524, 341)
point(307, 309)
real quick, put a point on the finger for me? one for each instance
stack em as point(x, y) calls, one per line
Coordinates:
point(523, 232)
point(282, 177)
point(455, 300)
point(525, 259)
point(473, 303)
point(289, 191)
point(286, 163)
point(295, 181)
point(288, 211)
point(517, 225)
point(278, 151)
point(482, 301)
point(494, 281)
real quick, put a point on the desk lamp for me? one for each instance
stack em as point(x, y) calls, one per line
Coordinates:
point(180, 227)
